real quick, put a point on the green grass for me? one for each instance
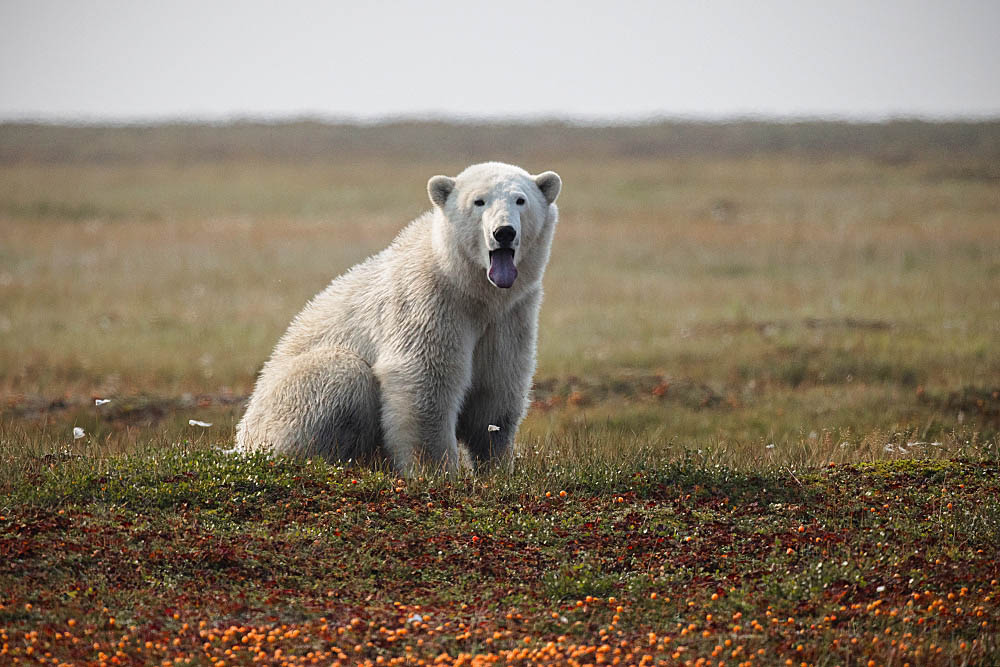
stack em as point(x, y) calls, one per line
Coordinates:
point(888, 561)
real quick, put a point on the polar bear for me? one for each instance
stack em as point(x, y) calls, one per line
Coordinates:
point(427, 344)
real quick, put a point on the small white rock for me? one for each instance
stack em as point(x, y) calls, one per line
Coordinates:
point(195, 422)
point(101, 401)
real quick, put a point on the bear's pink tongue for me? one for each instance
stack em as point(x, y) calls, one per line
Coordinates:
point(502, 270)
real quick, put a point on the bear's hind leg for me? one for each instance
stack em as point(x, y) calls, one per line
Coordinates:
point(325, 402)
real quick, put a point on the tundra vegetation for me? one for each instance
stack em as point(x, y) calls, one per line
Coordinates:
point(764, 429)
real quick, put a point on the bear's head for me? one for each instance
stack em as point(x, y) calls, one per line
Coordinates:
point(497, 216)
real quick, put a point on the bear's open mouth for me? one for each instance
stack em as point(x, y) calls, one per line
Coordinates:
point(502, 270)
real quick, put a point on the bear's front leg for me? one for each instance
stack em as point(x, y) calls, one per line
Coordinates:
point(421, 393)
point(503, 364)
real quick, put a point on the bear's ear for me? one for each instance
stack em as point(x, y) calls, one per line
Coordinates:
point(550, 184)
point(439, 187)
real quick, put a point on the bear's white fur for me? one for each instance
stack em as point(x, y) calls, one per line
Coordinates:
point(418, 348)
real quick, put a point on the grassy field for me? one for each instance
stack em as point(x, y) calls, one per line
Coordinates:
point(194, 557)
point(728, 309)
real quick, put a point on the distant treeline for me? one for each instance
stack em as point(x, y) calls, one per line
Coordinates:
point(897, 140)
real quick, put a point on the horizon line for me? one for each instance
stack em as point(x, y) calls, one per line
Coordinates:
point(374, 120)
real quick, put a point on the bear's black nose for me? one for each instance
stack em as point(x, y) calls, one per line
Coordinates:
point(504, 235)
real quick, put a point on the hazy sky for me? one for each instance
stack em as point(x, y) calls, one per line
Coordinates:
point(143, 59)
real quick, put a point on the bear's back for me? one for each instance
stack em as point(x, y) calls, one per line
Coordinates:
point(350, 312)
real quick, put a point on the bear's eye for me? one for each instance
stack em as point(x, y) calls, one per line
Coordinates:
point(520, 201)
point(479, 202)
